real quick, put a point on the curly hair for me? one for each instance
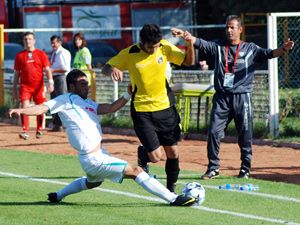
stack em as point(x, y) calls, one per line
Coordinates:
point(150, 34)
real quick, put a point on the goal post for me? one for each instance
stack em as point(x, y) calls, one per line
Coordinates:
point(273, 78)
point(1, 65)
point(281, 26)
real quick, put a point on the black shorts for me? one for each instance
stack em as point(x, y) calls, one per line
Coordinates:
point(157, 128)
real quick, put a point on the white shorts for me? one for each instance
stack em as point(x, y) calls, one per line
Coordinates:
point(99, 166)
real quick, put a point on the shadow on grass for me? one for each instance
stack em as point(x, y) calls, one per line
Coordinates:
point(84, 204)
point(41, 203)
point(287, 178)
point(48, 178)
point(33, 144)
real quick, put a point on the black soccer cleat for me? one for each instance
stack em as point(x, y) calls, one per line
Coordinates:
point(182, 200)
point(210, 174)
point(52, 197)
point(243, 174)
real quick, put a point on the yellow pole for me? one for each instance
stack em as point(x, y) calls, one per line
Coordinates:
point(243, 36)
point(93, 85)
point(1, 64)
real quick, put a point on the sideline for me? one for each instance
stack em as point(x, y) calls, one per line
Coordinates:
point(207, 209)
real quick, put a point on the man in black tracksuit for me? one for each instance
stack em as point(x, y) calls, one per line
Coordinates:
point(234, 63)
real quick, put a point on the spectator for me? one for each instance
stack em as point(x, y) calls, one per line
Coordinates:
point(155, 119)
point(60, 66)
point(235, 63)
point(83, 57)
point(80, 117)
point(29, 66)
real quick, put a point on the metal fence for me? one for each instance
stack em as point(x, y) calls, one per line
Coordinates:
point(289, 64)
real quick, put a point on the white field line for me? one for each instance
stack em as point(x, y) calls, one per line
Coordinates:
point(203, 208)
point(277, 197)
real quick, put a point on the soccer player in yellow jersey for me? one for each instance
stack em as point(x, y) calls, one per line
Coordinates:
point(155, 119)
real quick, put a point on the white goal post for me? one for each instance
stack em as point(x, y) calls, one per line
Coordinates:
point(272, 29)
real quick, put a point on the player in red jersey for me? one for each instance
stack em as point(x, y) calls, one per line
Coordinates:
point(30, 65)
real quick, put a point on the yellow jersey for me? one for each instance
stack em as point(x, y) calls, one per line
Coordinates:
point(147, 73)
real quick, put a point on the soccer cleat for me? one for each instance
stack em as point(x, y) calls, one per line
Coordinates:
point(243, 174)
point(210, 174)
point(52, 197)
point(141, 163)
point(24, 135)
point(39, 134)
point(182, 200)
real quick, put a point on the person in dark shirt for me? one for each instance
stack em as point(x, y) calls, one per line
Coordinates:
point(234, 66)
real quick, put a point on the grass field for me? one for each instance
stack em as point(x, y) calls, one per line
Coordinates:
point(26, 178)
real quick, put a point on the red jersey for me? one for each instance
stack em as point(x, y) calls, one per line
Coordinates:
point(30, 65)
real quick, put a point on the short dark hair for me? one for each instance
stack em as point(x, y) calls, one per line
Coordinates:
point(81, 36)
point(53, 37)
point(28, 33)
point(234, 17)
point(150, 34)
point(73, 76)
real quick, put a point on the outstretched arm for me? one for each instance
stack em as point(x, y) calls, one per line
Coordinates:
point(116, 105)
point(190, 40)
point(288, 45)
point(30, 111)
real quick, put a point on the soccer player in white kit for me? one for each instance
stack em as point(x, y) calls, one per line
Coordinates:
point(79, 116)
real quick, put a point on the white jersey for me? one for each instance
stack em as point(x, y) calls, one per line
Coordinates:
point(79, 117)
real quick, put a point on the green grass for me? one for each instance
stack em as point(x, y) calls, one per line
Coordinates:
point(23, 201)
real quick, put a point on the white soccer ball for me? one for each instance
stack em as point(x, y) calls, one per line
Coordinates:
point(194, 190)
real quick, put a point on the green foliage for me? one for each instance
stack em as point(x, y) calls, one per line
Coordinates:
point(8, 103)
point(290, 128)
point(3, 111)
point(289, 103)
point(259, 131)
point(115, 121)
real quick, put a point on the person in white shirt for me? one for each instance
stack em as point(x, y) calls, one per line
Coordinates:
point(79, 115)
point(60, 66)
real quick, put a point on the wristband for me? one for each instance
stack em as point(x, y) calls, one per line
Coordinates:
point(51, 81)
point(126, 96)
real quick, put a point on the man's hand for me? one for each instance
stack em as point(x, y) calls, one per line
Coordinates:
point(187, 36)
point(288, 45)
point(12, 112)
point(50, 87)
point(116, 74)
point(177, 32)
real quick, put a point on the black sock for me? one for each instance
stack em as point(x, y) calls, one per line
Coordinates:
point(143, 155)
point(172, 171)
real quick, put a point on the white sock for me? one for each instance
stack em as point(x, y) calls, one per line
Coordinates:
point(155, 187)
point(76, 186)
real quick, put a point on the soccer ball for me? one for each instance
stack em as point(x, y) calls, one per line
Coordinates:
point(194, 190)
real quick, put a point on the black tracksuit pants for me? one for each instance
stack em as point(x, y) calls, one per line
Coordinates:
point(226, 107)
